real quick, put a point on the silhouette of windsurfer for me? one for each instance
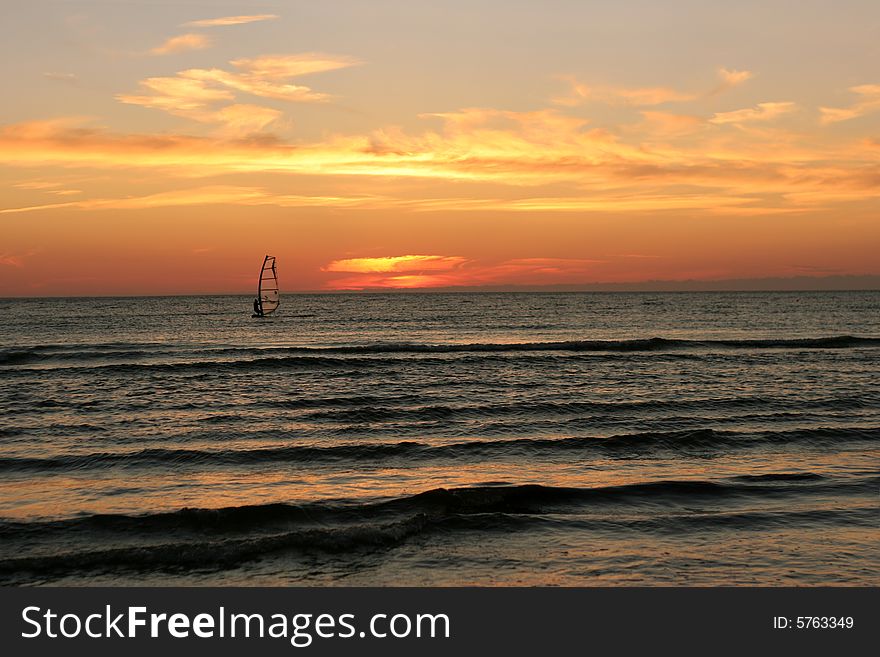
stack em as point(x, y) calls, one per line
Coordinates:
point(258, 307)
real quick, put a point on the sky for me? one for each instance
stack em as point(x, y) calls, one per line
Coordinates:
point(165, 147)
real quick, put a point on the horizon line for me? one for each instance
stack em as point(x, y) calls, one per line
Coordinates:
point(833, 283)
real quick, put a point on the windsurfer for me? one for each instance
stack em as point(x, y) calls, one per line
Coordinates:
point(258, 307)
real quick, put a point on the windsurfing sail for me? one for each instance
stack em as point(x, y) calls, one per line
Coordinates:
point(267, 291)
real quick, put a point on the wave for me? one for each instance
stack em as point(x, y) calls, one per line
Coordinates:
point(487, 498)
point(285, 362)
point(35, 354)
point(89, 351)
point(354, 413)
point(214, 554)
point(676, 523)
point(784, 476)
point(682, 442)
point(223, 538)
point(644, 344)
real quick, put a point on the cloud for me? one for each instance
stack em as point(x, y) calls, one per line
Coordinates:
point(837, 114)
point(580, 93)
point(15, 259)
point(193, 93)
point(238, 120)
point(729, 79)
point(386, 264)
point(761, 112)
point(408, 272)
point(176, 95)
point(47, 186)
point(197, 196)
point(507, 147)
point(242, 120)
point(206, 195)
point(68, 78)
point(242, 195)
point(255, 85)
point(624, 202)
point(537, 161)
point(280, 67)
point(268, 76)
point(732, 78)
point(230, 20)
point(397, 281)
point(36, 184)
point(195, 99)
point(869, 102)
point(182, 43)
point(11, 260)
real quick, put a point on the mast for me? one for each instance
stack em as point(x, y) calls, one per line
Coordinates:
point(260, 279)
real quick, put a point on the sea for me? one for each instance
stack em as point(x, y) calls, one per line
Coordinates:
point(491, 439)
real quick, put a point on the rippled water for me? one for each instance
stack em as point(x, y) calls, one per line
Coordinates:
point(574, 439)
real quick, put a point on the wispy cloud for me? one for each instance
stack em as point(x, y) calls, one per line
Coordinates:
point(761, 112)
point(281, 67)
point(193, 99)
point(580, 93)
point(194, 93)
point(196, 196)
point(730, 78)
point(230, 20)
point(869, 101)
point(47, 186)
point(208, 195)
point(176, 95)
point(182, 43)
point(15, 259)
point(242, 195)
point(267, 76)
point(36, 184)
point(242, 119)
point(68, 78)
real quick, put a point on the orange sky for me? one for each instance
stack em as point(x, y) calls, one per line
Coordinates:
point(162, 150)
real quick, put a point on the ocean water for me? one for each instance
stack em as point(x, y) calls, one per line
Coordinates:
point(442, 439)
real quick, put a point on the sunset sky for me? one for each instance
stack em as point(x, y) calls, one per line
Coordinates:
point(164, 147)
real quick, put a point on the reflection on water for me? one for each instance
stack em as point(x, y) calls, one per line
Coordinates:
point(193, 444)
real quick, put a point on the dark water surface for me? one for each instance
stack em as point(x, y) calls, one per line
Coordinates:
point(443, 439)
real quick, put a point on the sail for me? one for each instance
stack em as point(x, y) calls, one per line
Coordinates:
point(268, 289)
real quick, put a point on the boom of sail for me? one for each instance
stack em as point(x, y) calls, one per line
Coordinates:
point(267, 291)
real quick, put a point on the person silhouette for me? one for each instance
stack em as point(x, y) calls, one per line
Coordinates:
point(258, 307)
